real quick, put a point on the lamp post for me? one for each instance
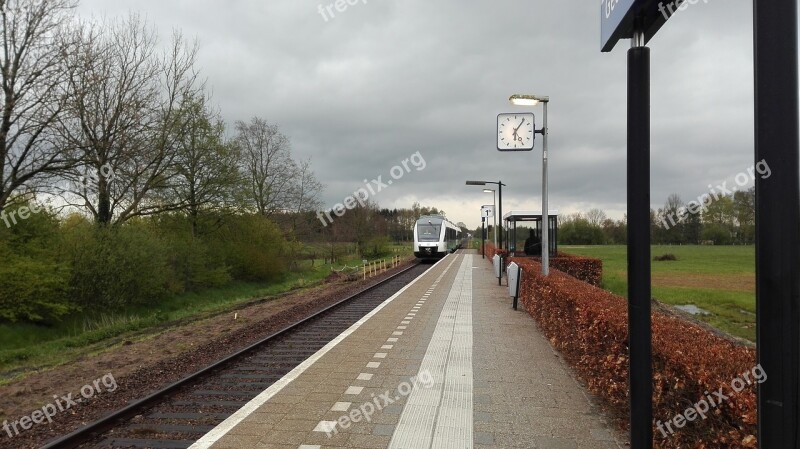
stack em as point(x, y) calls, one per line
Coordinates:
point(533, 100)
point(500, 186)
point(494, 213)
point(483, 236)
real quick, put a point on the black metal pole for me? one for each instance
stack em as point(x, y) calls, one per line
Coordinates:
point(777, 222)
point(500, 212)
point(483, 237)
point(500, 271)
point(639, 320)
point(516, 297)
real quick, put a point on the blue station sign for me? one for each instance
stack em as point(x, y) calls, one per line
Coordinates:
point(616, 21)
point(617, 18)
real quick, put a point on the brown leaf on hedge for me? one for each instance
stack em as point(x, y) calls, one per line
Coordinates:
point(750, 441)
point(589, 327)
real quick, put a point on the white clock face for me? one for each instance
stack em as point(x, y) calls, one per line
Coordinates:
point(515, 132)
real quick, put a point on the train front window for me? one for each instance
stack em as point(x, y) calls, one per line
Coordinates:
point(428, 232)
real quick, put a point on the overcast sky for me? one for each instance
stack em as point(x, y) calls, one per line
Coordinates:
point(384, 79)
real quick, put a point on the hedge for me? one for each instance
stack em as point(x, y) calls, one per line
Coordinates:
point(587, 269)
point(589, 327)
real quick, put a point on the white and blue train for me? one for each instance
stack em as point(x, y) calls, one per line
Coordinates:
point(435, 237)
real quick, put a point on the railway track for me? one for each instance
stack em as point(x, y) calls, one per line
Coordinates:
point(177, 416)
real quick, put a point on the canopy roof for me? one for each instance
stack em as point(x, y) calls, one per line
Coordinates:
point(527, 215)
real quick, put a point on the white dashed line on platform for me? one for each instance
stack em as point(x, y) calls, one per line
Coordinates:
point(354, 390)
point(341, 406)
point(325, 426)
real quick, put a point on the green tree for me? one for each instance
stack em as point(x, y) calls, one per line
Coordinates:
point(720, 221)
point(205, 175)
point(671, 221)
point(693, 229)
point(717, 233)
point(34, 276)
point(577, 230)
point(744, 205)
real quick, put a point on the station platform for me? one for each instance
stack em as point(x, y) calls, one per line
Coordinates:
point(444, 363)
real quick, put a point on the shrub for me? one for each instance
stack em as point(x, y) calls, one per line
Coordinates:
point(719, 234)
point(194, 268)
point(118, 266)
point(39, 232)
point(32, 289)
point(580, 232)
point(589, 327)
point(586, 269)
point(33, 280)
point(253, 247)
point(376, 247)
point(665, 258)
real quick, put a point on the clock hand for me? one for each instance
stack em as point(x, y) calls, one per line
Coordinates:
point(520, 125)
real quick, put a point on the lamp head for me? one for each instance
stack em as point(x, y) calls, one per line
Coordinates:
point(527, 100)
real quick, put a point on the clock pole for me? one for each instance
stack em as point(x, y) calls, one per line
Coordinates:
point(533, 100)
point(545, 219)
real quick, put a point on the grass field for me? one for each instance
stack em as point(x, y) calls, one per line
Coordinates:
point(718, 279)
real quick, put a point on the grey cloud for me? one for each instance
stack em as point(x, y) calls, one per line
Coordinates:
point(388, 78)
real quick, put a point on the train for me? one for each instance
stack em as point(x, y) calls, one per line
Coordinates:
point(435, 237)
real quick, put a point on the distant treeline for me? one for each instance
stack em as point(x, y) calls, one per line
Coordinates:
point(368, 226)
point(729, 219)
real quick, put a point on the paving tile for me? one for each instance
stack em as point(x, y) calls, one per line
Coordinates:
point(368, 441)
point(483, 438)
point(383, 430)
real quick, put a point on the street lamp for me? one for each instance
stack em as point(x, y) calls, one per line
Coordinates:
point(494, 213)
point(483, 235)
point(500, 186)
point(533, 100)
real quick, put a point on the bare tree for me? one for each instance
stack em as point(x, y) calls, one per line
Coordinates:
point(306, 189)
point(668, 216)
point(31, 66)
point(267, 165)
point(304, 196)
point(126, 112)
point(596, 217)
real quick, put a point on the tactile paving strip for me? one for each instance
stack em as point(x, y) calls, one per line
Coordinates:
point(441, 416)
